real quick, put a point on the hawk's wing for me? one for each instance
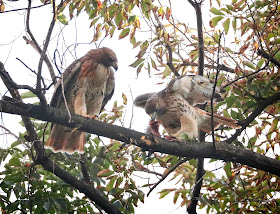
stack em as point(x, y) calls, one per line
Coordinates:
point(69, 78)
point(195, 89)
point(110, 88)
point(140, 101)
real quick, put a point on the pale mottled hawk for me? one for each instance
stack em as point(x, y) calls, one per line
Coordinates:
point(174, 106)
point(88, 84)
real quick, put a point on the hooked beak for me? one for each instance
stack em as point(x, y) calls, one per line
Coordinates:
point(115, 66)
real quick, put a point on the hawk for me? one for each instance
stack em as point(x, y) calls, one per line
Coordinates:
point(85, 88)
point(173, 106)
point(195, 89)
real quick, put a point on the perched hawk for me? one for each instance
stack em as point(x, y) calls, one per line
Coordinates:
point(85, 87)
point(173, 106)
point(194, 89)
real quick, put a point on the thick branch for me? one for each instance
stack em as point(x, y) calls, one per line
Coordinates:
point(223, 150)
point(82, 186)
point(269, 57)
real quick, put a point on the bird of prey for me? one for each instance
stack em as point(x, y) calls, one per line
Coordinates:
point(85, 88)
point(193, 88)
point(173, 106)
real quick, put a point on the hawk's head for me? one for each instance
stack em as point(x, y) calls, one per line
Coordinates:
point(107, 57)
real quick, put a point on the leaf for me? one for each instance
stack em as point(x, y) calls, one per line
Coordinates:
point(234, 24)
point(215, 20)
point(165, 192)
point(249, 64)
point(111, 183)
point(62, 18)
point(216, 11)
point(139, 68)
point(124, 33)
point(104, 173)
point(226, 25)
point(137, 62)
point(227, 169)
point(230, 101)
point(28, 94)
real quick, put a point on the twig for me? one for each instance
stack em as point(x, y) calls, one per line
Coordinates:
point(15, 10)
point(167, 173)
point(46, 44)
point(248, 75)
point(213, 93)
point(14, 135)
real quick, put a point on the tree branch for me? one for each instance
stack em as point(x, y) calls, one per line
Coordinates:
point(223, 151)
point(269, 57)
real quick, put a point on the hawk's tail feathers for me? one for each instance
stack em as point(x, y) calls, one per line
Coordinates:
point(63, 139)
point(217, 121)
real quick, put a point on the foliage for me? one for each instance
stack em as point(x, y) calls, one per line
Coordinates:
point(111, 165)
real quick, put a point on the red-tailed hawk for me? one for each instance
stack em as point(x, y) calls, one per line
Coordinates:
point(173, 106)
point(88, 84)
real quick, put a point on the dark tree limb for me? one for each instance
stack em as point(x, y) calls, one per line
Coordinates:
point(191, 208)
point(272, 59)
point(223, 151)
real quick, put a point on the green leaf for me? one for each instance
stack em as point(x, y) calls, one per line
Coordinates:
point(234, 24)
point(124, 33)
point(165, 192)
point(260, 63)
point(62, 18)
point(216, 11)
point(249, 64)
point(226, 25)
point(230, 101)
point(60, 204)
point(227, 169)
point(28, 94)
point(215, 20)
point(137, 62)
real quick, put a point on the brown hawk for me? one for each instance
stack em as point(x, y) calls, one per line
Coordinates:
point(85, 87)
point(173, 106)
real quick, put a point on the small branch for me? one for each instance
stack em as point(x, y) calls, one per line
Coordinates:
point(168, 47)
point(15, 136)
point(220, 67)
point(167, 173)
point(15, 10)
point(45, 47)
point(248, 75)
point(213, 93)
